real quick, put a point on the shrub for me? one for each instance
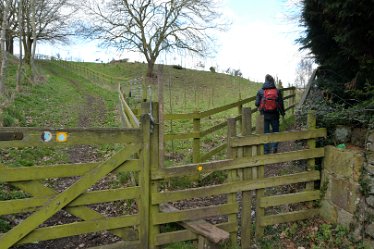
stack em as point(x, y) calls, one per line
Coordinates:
point(179, 67)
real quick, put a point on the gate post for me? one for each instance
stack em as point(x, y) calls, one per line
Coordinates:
point(311, 125)
point(246, 219)
point(152, 109)
point(196, 146)
point(144, 179)
point(232, 174)
point(260, 212)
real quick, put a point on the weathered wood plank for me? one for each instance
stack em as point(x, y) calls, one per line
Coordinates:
point(196, 141)
point(289, 217)
point(260, 212)
point(129, 114)
point(217, 127)
point(8, 174)
point(194, 214)
point(124, 119)
point(185, 235)
point(234, 187)
point(178, 116)
point(214, 128)
point(289, 96)
point(37, 189)
point(238, 163)
point(101, 196)
point(77, 228)
point(246, 211)
point(276, 200)
point(61, 200)
point(180, 136)
point(278, 137)
point(120, 245)
point(144, 204)
point(226, 107)
point(213, 152)
point(208, 112)
point(290, 107)
point(91, 136)
point(209, 231)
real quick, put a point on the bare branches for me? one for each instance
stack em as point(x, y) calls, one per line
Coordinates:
point(152, 26)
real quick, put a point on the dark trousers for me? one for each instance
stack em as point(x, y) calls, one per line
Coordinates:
point(271, 124)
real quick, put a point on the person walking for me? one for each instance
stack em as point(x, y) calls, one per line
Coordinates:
point(269, 101)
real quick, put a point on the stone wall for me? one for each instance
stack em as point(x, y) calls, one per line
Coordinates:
point(348, 187)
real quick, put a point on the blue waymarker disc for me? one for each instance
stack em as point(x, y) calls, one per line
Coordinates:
point(47, 136)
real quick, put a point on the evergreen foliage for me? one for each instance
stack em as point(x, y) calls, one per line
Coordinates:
point(340, 34)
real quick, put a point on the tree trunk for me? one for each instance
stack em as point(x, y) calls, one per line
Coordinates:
point(9, 43)
point(150, 69)
point(20, 65)
point(27, 44)
point(33, 39)
point(3, 48)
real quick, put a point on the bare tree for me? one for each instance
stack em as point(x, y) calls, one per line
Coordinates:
point(4, 56)
point(49, 20)
point(153, 26)
point(303, 71)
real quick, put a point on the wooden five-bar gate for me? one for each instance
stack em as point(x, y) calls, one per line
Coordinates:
point(245, 182)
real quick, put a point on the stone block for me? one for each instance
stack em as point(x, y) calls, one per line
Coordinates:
point(369, 169)
point(369, 230)
point(326, 180)
point(328, 211)
point(344, 218)
point(370, 157)
point(342, 134)
point(358, 137)
point(370, 141)
point(370, 201)
point(368, 243)
point(344, 163)
point(345, 194)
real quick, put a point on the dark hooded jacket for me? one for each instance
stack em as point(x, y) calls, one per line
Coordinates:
point(260, 95)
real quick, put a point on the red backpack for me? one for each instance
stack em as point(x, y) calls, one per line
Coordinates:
point(269, 100)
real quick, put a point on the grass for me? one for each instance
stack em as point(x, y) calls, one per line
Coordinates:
point(313, 233)
point(55, 101)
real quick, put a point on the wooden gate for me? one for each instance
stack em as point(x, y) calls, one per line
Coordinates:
point(159, 206)
point(43, 201)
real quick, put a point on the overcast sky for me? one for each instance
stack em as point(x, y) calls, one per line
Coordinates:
point(261, 40)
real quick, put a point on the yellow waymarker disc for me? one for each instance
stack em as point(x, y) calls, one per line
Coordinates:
point(61, 137)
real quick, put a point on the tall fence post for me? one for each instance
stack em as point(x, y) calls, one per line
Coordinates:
point(152, 109)
point(240, 112)
point(293, 100)
point(231, 153)
point(144, 177)
point(196, 140)
point(311, 125)
point(246, 218)
point(260, 212)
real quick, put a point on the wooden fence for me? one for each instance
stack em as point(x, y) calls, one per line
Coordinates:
point(157, 203)
point(45, 201)
point(197, 134)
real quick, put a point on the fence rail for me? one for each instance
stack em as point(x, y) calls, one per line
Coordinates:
point(244, 169)
point(197, 133)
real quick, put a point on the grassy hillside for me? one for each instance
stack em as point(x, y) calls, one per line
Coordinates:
point(63, 97)
point(185, 90)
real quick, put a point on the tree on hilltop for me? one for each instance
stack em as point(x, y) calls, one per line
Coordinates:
point(151, 27)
